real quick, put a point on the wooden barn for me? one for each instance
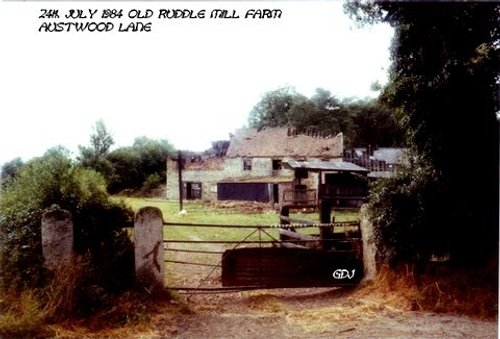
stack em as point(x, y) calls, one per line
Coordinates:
point(344, 184)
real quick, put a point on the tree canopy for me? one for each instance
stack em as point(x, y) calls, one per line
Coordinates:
point(272, 110)
point(9, 170)
point(363, 122)
point(94, 156)
point(444, 88)
point(143, 162)
point(129, 167)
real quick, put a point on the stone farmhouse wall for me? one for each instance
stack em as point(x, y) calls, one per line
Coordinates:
point(228, 169)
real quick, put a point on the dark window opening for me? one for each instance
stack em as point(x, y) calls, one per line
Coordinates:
point(301, 173)
point(276, 193)
point(247, 164)
point(277, 164)
point(192, 190)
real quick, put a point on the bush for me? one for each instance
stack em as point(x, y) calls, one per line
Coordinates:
point(98, 235)
point(409, 222)
point(152, 182)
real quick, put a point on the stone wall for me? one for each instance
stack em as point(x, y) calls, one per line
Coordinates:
point(227, 169)
point(209, 177)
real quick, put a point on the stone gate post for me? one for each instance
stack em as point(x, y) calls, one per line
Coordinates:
point(369, 245)
point(57, 238)
point(149, 265)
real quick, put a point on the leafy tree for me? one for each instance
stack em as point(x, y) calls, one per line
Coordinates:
point(94, 156)
point(322, 112)
point(444, 88)
point(272, 110)
point(9, 170)
point(306, 114)
point(152, 182)
point(374, 125)
point(55, 179)
point(132, 166)
point(153, 155)
point(126, 163)
point(363, 123)
point(125, 167)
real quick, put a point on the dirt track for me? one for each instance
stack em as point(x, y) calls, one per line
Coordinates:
point(311, 313)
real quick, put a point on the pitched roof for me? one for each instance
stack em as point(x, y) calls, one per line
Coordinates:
point(278, 142)
point(341, 166)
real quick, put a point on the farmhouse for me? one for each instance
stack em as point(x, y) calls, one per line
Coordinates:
point(252, 168)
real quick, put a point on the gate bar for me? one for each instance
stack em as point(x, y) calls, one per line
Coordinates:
point(192, 251)
point(249, 241)
point(191, 263)
point(334, 224)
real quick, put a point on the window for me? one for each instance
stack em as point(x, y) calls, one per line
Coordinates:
point(276, 164)
point(247, 164)
point(192, 190)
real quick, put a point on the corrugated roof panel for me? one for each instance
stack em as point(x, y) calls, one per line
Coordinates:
point(342, 166)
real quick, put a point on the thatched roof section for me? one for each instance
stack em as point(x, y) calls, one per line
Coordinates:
point(277, 142)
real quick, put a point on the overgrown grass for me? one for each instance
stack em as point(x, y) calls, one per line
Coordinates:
point(20, 315)
point(439, 289)
point(56, 309)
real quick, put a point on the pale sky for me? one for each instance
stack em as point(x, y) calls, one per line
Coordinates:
point(188, 81)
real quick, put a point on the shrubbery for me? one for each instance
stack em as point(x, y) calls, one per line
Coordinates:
point(407, 217)
point(54, 181)
point(152, 182)
point(420, 215)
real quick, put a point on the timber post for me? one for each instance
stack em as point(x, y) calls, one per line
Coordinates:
point(325, 212)
point(285, 212)
point(284, 215)
point(181, 189)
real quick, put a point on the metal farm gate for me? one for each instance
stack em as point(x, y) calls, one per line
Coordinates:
point(214, 258)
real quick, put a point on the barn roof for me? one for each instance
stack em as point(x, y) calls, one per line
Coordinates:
point(279, 142)
point(341, 166)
